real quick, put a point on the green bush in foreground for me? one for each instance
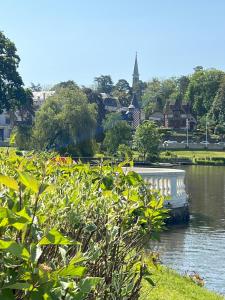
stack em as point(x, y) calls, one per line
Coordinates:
point(73, 232)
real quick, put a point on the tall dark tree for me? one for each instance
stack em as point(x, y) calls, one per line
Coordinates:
point(94, 97)
point(12, 93)
point(123, 92)
point(35, 87)
point(217, 112)
point(104, 84)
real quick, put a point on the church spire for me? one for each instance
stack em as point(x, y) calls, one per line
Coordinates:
point(135, 73)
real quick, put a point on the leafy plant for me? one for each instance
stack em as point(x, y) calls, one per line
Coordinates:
point(71, 231)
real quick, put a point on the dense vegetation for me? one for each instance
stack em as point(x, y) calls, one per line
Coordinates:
point(13, 95)
point(203, 90)
point(70, 231)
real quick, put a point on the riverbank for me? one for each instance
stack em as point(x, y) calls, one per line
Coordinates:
point(206, 157)
point(172, 286)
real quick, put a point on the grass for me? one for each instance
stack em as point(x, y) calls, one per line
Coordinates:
point(172, 286)
point(195, 154)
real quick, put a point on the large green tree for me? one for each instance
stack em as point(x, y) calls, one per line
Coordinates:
point(123, 92)
point(217, 111)
point(66, 121)
point(117, 132)
point(202, 89)
point(12, 92)
point(157, 93)
point(147, 139)
point(104, 84)
point(95, 97)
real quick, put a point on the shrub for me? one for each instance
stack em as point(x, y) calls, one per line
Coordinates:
point(73, 231)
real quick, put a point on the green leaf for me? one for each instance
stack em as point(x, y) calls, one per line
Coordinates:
point(77, 258)
point(89, 283)
point(9, 182)
point(29, 181)
point(149, 280)
point(86, 285)
point(19, 286)
point(4, 222)
point(23, 213)
point(4, 212)
point(54, 238)
point(15, 249)
point(19, 226)
point(6, 294)
point(71, 270)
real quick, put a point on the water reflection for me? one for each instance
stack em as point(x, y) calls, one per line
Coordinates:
point(200, 246)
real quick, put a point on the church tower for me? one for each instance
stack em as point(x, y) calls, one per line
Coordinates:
point(134, 108)
point(135, 75)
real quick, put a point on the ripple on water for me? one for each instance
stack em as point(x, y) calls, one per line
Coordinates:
point(200, 246)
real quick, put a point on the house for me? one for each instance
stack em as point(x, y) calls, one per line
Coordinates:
point(178, 116)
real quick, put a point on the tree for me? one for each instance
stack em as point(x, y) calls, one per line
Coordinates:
point(120, 133)
point(202, 89)
point(217, 112)
point(111, 120)
point(157, 93)
point(104, 84)
point(123, 92)
point(35, 87)
point(124, 152)
point(67, 122)
point(94, 97)
point(12, 93)
point(64, 84)
point(147, 139)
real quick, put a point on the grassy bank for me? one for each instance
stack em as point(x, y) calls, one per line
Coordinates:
point(195, 154)
point(211, 158)
point(171, 286)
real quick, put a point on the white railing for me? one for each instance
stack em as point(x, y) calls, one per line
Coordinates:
point(169, 182)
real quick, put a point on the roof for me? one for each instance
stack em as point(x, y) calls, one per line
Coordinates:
point(134, 101)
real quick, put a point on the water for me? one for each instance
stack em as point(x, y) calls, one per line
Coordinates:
point(200, 245)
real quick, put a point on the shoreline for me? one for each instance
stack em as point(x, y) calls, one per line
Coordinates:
point(171, 285)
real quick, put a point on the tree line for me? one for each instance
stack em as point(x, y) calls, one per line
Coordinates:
point(74, 119)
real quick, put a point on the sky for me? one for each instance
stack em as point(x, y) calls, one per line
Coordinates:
point(80, 40)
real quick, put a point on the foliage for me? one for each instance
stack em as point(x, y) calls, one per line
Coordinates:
point(157, 93)
point(35, 87)
point(94, 97)
point(217, 111)
point(12, 93)
point(72, 231)
point(66, 122)
point(23, 136)
point(147, 139)
point(125, 152)
point(220, 129)
point(202, 89)
point(69, 84)
point(119, 133)
point(104, 84)
point(111, 120)
point(123, 92)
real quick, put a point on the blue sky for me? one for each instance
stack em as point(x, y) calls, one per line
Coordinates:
point(79, 40)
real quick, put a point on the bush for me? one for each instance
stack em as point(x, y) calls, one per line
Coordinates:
point(124, 152)
point(73, 231)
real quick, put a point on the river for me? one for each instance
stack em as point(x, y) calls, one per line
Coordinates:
point(200, 245)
